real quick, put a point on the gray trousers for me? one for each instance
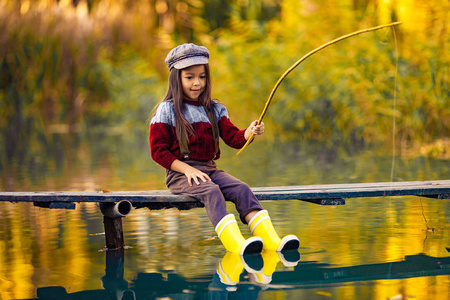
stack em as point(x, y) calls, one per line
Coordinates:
point(213, 193)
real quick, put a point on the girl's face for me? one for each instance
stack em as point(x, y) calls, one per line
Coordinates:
point(193, 81)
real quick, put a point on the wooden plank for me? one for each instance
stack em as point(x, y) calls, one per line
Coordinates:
point(405, 185)
point(332, 194)
point(440, 189)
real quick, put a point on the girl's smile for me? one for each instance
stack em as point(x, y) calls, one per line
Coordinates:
point(193, 81)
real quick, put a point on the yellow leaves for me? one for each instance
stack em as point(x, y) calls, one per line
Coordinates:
point(161, 7)
point(25, 6)
point(323, 293)
point(120, 56)
point(439, 148)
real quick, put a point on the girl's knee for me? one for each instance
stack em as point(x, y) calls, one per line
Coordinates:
point(239, 191)
point(210, 187)
point(208, 190)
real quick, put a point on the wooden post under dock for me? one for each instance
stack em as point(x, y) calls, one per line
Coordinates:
point(115, 205)
point(113, 212)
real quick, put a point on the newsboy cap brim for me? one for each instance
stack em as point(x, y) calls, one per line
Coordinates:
point(187, 55)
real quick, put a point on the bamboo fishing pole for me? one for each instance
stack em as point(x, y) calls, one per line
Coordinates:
point(302, 59)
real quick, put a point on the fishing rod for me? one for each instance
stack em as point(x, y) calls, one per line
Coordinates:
point(302, 59)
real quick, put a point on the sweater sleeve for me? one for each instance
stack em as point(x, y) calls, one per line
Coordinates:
point(161, 136)
point(230, 134)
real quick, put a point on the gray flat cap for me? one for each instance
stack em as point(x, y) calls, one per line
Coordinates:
point(187, 55)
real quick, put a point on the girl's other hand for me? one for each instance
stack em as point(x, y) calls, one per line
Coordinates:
point(255, 129)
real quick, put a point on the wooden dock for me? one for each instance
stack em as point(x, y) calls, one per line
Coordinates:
point(115, 205)
point(329, 194)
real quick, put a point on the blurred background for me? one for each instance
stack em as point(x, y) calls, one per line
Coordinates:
point(70, 70)
point(79, 80)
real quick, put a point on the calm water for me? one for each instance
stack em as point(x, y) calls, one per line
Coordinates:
point(373, 248)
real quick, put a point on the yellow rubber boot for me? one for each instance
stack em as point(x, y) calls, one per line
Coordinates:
point(231, 237)
point(261, 226)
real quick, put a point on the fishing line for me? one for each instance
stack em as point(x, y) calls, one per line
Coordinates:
point(426, 223)
point(423, 214)
point(395, 104)
point(394, 131)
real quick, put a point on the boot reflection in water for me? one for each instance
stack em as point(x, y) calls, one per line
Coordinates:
point(232, 265)
point(261, 225)
point(271, 259)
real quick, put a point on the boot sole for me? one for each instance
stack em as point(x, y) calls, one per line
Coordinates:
point(253, 248)
point(291, 243)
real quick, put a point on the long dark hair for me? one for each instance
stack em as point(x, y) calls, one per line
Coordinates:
point(175, 93)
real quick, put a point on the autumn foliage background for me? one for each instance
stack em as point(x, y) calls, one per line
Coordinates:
point(86, 65)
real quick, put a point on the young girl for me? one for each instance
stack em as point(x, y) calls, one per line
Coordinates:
point(184, 139)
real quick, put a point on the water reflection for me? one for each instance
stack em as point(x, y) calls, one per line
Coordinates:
point(43, 248)
point(245, 277)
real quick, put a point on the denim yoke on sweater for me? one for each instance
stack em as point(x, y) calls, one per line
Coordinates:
point(164, 145)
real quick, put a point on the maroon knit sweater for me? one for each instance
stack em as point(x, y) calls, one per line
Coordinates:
point(164, 146)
